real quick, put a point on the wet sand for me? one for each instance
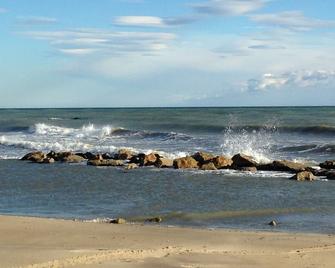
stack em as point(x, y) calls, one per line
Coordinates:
point(36, 242)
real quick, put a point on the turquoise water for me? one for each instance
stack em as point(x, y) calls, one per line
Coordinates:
point(190, 198)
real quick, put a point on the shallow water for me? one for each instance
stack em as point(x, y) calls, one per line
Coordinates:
point(186, 198)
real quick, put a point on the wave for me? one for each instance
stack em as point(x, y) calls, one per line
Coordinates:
point(309, 148)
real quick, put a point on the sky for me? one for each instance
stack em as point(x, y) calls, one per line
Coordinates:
point(157, 53)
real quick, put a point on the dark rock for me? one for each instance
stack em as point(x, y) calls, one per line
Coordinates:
point(304, 176)
point(154, 220)
point(185, 162)
point(107, 156)
point(48, 160)
point(72, 158)
point(290, 166)
point(329, 164)
point(164, 163)
point(319, 172)
point(203, 157)
point(222, 162)
point(248, 169)
point(208, 166)
point(106, 163)
point(331, 175)
point(273, 223)
point(241, 160)
point(89, 156)
point(51, 154)
point(124, 154)
point(118, 221)
point(34, 157)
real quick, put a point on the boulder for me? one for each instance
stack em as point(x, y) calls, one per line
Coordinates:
point(290, 166)
point(248, 169)
point(34, 157)
point(164, 163)
point(149, 159)
point(51, 154)
point(106, 163)
point(329, 164)
point(131, 166)
point(203, 157)
point(208, 166)
point(242, 160)
point(304, 176)
point(118, 221)
point(124, 154)
point(72, 158)
point(273, 223)
point(88, 156)
point(185, 162)
point(154, 220)
point(222, 162)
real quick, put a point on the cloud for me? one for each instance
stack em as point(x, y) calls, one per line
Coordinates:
point(294, 20)
point(301, 79)
point(34, 20)
point(151, 21)
point(229, 7)
point(89, 41)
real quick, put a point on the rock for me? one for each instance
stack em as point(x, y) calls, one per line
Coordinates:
point(222, 162)
point(131, 166)
point(124, 154)
point(118, 221)
point(320, 172)
point(106, 163)
point(248, 169)
point(241, 160)
point(273, 223)
point(88, 156)
point(304, 176)
point(34, 157)
point(203, 157)
point(72, 158)
point(107, 156)
point(154, 220)
point(185, 162)
point(331, 175)
point(164, 163)
point(329, 164)
point(285, 165)
point(52, 154)
point(150, 159)
point(48, 160)
point(208, 166)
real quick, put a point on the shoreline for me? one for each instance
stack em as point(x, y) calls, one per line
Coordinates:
point(43, 242)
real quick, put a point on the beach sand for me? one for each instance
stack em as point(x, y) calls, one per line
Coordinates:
point(35, 242)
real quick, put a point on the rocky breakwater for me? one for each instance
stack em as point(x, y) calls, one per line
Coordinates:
point(129, 159)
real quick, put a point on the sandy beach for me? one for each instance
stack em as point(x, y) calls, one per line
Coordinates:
point(35, 242)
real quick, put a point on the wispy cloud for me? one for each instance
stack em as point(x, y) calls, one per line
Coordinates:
point(229, 7)
point(293, 20)
point(89, 41)
point(35, 20)
point(152, 21)
point(301, 79)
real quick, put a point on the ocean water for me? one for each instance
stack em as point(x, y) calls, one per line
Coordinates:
point(191, 198)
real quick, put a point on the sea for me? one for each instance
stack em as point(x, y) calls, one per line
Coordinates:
point(192, 198)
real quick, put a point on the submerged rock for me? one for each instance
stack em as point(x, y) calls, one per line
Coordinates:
point(222, 162)
point(273, 223)
point(285, 165)
point(203, 157)
point(106, 163)
point(304, 176)
point(208, 166)
point(154, 220)
point(131, 166)
point(48, 160)
point(242, 160)
point(185, 163)
point(34, 157)
point(248, 169)
point(329, 164)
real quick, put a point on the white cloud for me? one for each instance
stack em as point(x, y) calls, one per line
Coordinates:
point(301, 79)
point(139, 21)
point(35, 20)
point(229, 7)
point(89, 41)
point(294, 20)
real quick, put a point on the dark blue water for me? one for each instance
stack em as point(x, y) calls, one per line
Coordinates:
point(191, 198)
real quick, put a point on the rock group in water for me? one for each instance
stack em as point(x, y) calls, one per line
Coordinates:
point(200, 160)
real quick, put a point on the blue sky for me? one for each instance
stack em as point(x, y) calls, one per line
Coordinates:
point(112, 53)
